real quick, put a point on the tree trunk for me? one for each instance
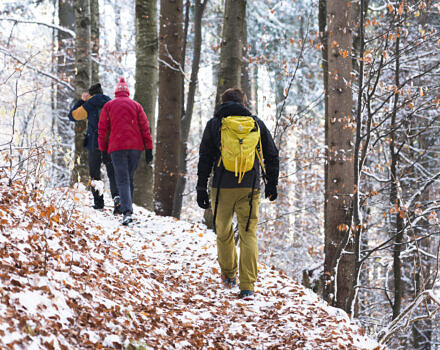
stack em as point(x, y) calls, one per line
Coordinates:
point(232, 47)
point(146, 89)
point(187, 116)
point(82, 83)
point(170, 108)
point(245, 81)
point(64, 128)
point(338, 267)
point(394, 197)
point(94, 32)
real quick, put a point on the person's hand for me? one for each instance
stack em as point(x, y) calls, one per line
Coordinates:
point(148, 156)
point(203, 199)
point(85, 96)
point(271, 192)
point(105, 157)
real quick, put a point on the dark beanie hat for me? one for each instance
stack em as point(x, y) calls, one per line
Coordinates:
point(95, 89)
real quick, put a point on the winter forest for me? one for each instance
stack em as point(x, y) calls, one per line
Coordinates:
point(350, 92)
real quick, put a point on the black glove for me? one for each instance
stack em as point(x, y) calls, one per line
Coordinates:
point(105, 157)
point(203, 199)
point(271, 192)
point(148, 155)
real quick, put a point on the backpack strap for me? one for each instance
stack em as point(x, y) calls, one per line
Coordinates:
point(250, 200)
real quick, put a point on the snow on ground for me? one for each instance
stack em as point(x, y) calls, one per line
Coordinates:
point(74, 278)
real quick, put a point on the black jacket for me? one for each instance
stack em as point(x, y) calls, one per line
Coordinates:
point(92, 109)
point(209, 153)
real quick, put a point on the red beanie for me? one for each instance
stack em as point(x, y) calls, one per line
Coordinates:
point(122, 86)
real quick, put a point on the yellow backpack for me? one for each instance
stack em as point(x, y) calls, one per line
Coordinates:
point(240, 138)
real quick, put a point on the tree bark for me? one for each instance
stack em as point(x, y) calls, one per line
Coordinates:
point(82, 83)
point(338, 267)
point(245, 81)
point(187, 116)
point(94, 37)
point(394, 197)
point(64, 128)
point(146, 89)
point(170, 108)
point(231, 47)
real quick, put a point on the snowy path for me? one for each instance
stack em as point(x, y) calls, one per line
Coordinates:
point(77, 279)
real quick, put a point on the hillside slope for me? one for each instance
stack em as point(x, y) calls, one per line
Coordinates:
point(73, 278)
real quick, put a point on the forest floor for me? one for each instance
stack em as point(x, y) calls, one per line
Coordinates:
point(74, 278)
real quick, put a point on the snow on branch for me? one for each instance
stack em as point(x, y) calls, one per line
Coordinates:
point(50, 25)
point(24, 63)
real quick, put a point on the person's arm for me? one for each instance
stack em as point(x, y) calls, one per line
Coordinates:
point(79, 112)
point(75, 107)
point(144, 127)
point(270, 155)
point(207, 155)
point(104, 129)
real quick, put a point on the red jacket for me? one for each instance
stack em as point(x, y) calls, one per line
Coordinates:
point(123, 125)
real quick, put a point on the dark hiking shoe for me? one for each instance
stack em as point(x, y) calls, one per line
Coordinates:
point(98, 200)
point(246, 294)
point(127, 219)
point(99, 204)
point(229, 282)
point(117, 207)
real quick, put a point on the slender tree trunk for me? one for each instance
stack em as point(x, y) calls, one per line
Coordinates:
point(82, 83)
point(64, 128)
point(328, 291)
point(394, 197)
point(357, 224)
point(187, 116)
point(170, 108)
point(338, 267)
point(232, 47)
point(245, 81)
point(146, 89)
point(94, 31)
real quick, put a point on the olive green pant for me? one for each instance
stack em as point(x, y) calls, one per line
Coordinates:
point(237, 200)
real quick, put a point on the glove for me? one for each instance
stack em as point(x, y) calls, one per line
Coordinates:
point(105, 157)
point(148, 156)
point(203, 199)
point(271, 192)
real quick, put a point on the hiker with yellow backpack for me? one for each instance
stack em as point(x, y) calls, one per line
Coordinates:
point(240, 148)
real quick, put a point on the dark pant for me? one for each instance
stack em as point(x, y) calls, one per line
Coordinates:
point(95, 161)
point(125, 163)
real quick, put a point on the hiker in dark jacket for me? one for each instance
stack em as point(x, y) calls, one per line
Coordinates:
point(230, 195)
point(124, 132)
point(89, 107)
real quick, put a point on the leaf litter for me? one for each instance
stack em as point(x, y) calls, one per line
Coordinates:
point(72, 277)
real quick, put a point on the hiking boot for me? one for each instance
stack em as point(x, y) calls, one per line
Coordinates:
point(229, 282)
point(127, 219)
point(117, 207)
point(99, 203)
point(98, 200)
point(246, 294)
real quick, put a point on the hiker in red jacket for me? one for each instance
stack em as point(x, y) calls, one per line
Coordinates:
point(124, 132)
